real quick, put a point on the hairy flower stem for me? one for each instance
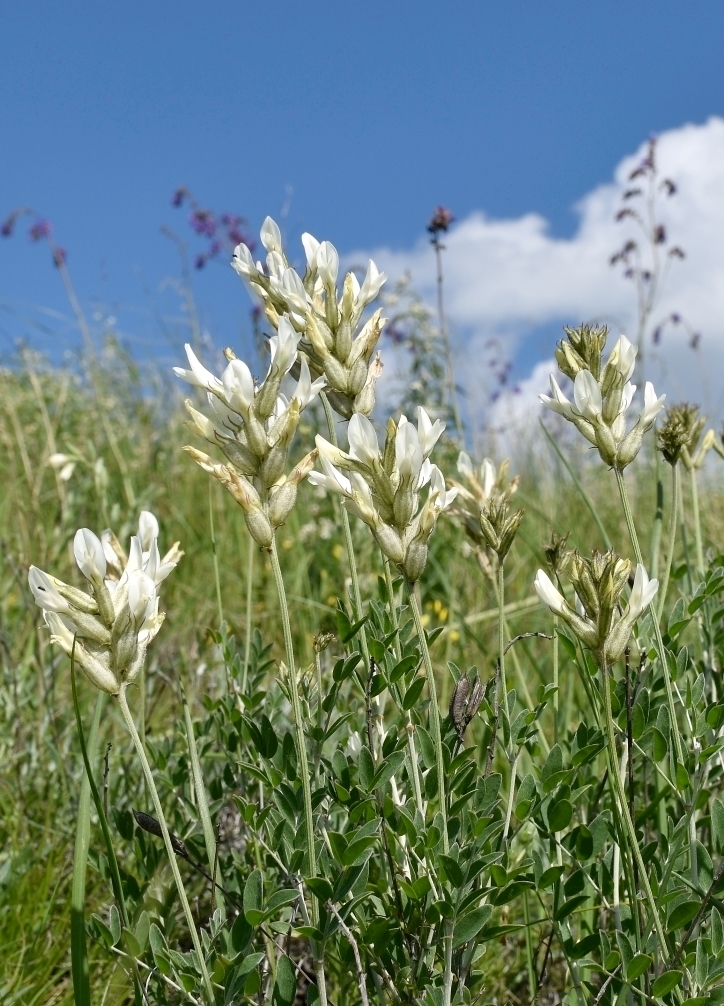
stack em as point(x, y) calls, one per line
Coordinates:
point(671, 541)
point(349, 544)
point(140, 750)
point(302, 756)
point(697, 524)
point(657, 628)
point(249, 598)
point(623, 807)
point(440, 764)
point(556, 680)
point(501, 651)
point(410, 727)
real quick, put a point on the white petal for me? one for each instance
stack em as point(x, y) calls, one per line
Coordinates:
point(547, 593)
point(89, 555)
point(311, 247)
point(271, 236)
point(363, 444)
point(45, 593)
point(147, 529)
point(587, 395)
point(238, 387)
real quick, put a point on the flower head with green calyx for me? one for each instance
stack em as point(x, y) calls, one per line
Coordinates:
point(598, 620)
point(337, 343)
point(556, 553)
point(109, 628)
point(602, 395)
point(680, 437)
point(382, 486)
point(480, 489)
point(254, 425)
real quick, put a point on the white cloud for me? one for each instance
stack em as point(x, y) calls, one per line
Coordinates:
point(506, 278)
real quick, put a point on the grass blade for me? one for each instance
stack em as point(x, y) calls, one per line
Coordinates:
point(78, 947)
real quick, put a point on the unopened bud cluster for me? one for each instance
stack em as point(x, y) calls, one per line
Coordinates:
point(337, 346)
point(602, 394)
point(113, 622)
point(254, 425)
point(599, 583)
point(382, 487)
point(483, 502)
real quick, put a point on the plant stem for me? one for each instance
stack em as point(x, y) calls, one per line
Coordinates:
point(302, 756)
point(140, 750)
point(577, 483)
point(697, 524)
point(349, 544)
point(78, 947)
point(501, 648)
point(671, 541)
point(217, 579)
point(410, 727)
point(450, 370)
point(623, 807)
point(658, 520)
point(556, 680)
point(249, 598)
point(440, 763)
point(202, 805)
point(657, 628)
point(434, 713)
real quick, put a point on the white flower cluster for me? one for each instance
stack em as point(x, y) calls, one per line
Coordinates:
point(326, 321)
point(115, 622)
point(601, 401)
point(597, 620)
point(254, 424)
point(382, 486)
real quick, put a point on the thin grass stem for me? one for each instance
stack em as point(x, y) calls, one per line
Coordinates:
point(141, 752)
point(657, 628)
point(671, 541)
point(294, 696)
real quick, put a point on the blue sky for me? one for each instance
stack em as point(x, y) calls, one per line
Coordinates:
point(359, 117)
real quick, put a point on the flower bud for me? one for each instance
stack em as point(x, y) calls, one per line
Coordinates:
point(389, 541)
point(357, 377)
point(259, 527)
point(629, 447)
point(335, 373)
point(273, 465)
point(282, 503)
point(415, 560)
point(256, 436)
point(404, 506)
point(605, 443)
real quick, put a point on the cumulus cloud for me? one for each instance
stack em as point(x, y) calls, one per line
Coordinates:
point(505, 279)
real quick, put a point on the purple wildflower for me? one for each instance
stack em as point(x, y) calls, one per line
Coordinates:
point(40, 229)
point(440, 220)
point(177, 199)
point(60, 256)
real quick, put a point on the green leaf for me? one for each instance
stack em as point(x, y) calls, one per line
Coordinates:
point(717, 823)
point(241, 934)
point(584, 947)
point(320, 887)
point(356, 850)
point(285, 987)
point(377, 649)
point(142, 929)
point(637, 965)
point(114, 921)
point(250, 962)
point(366, 768)
point(131, 944)
point(452, 870)
point(568, 645)
point(660, 745)
point(403, 666)
point(279, 899)
point(413, 693)
point(559, 815)
point(570, 906)
point(682, 915)
point(716, 932)
point(387, 769)
point(550, 876)
point(468, 926)
point(253, 892)
point(701, 968)
point(665, 983)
